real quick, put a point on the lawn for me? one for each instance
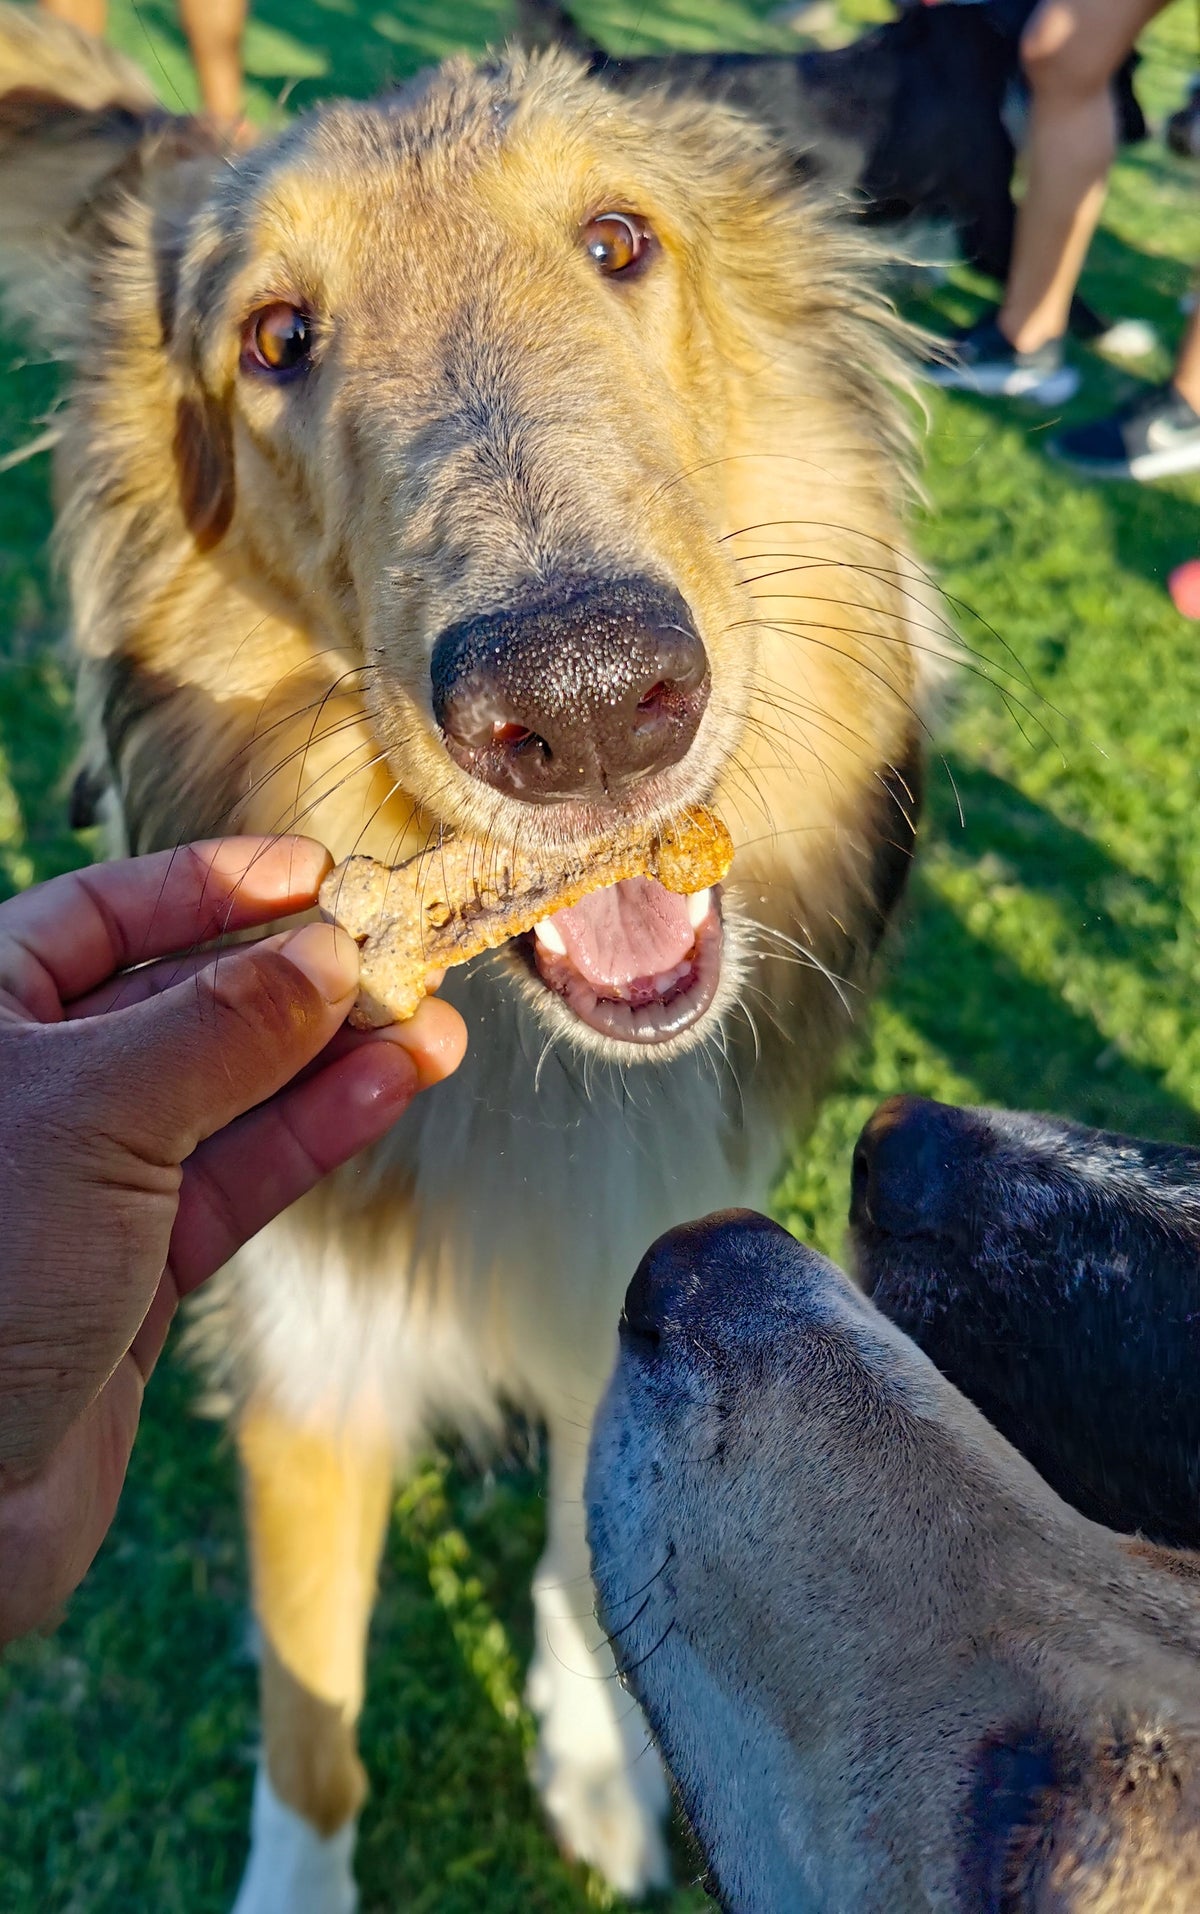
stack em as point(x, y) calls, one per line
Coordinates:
point(1049, 960)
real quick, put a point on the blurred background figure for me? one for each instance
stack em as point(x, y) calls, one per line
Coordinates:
point(214, 31)
point(1155, 436)
point(1070, 51)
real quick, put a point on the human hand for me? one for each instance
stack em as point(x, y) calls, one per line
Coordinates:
point(150, 1123)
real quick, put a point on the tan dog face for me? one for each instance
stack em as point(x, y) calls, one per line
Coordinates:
point(499, 456)
point(484, 407)
point(889, 1669)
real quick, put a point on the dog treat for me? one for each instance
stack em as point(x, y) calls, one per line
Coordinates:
point(462, 897)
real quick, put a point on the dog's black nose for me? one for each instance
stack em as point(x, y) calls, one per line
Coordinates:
point(576, 694)
point(911, 1169)
point(690, 1272)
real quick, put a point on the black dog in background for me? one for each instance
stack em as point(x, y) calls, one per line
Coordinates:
point(910, 120)
point(1052, 1273)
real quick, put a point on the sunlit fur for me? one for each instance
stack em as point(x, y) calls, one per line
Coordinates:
point(258, 573)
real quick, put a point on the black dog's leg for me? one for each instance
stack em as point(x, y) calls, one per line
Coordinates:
point(986, 228)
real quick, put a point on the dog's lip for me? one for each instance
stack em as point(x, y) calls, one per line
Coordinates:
point(642, 1010)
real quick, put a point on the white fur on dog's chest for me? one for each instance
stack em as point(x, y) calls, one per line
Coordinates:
point(496, 1269)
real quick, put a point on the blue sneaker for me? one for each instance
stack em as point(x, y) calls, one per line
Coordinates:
point(1156, 435)
point(980, 359)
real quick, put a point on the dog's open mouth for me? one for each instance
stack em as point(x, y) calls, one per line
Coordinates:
point(634, 961)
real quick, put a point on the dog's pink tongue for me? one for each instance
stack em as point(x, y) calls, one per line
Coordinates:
point(631, 930)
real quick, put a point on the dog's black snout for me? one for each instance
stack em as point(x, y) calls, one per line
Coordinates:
point(911, 1169)
point(578, 693)
point(689, 1274)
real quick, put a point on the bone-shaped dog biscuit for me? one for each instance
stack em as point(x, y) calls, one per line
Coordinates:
point(463, 897)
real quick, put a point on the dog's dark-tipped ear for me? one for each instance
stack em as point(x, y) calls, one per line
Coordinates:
point(204, 464)
point(1016, 1774)
point(78, 126)
point(1097, 1814)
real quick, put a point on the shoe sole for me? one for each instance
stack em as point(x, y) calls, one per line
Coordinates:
point(1006, 382)
point(1147, 465)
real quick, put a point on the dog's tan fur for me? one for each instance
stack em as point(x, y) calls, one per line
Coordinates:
point(314, 1498)
point(256, 585)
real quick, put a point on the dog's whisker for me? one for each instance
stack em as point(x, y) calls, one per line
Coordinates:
point(285, 820)
point(629, 1667)
point(972, 662)
point(909, 573)
point(853, 659)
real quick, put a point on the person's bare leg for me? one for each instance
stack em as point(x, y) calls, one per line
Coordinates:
point(90, 15)
point(214, 29)
point(1186, 378)
point(1070, 50)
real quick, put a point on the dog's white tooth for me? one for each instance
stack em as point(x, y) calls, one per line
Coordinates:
point(549, 938)
point(698, 907)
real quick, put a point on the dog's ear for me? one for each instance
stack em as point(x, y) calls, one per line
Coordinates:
point(1009, 1807)
point(204, 463)
point(80, 131)
point(1104, 1817)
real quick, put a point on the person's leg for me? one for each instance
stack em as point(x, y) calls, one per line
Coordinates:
point(1070, 50)
point(91, 15)
point(1186, 379)
point(214, 29)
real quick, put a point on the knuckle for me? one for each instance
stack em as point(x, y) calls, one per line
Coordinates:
point(267, 998)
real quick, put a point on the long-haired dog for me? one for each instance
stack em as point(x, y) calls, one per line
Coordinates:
point(496, 375)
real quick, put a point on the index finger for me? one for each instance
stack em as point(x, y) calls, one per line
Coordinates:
point(65, 937)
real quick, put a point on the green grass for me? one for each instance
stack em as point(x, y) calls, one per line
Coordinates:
point(1050, 960)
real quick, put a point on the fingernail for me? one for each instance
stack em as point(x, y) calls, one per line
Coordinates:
point(328, 958)
point(296, 865)
point(286, 867)
point(387, 1077)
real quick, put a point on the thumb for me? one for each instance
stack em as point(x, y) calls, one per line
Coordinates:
point(180, 1066)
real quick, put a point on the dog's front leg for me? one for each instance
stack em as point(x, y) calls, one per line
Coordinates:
point(316, 1509)
point(599, 1776)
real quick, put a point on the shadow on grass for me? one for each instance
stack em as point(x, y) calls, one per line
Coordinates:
point(1019, 1043)
point(1014, 1037)
point(1152, 528)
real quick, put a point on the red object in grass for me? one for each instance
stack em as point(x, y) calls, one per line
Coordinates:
point(1184, 587)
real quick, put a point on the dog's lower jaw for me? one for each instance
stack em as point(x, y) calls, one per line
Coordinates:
point(291, 1869)
point(569, 1035)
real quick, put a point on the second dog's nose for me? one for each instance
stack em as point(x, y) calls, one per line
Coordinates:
point(576, 694)
point(911, 1170)
point(689, 1273)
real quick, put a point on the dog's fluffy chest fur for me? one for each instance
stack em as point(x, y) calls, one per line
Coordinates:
point(478, 1255)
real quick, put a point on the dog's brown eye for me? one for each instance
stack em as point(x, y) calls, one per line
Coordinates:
point(617, 241)
point(278, 339)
